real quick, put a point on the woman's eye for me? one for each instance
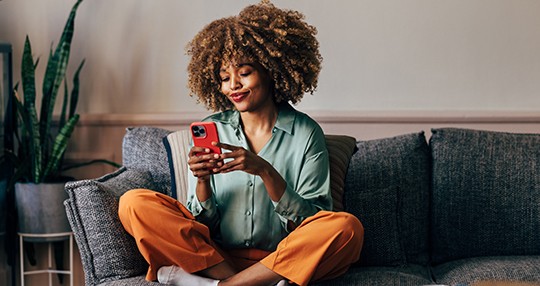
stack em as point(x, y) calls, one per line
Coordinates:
point(225, 79)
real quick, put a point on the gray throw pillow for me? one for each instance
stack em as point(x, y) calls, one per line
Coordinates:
point(486, 194)
point(108, 252)
point(387, 188)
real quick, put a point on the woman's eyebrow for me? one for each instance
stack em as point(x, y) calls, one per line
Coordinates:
point(244, 64)
point(237, 66)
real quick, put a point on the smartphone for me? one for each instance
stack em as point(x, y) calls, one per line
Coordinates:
point(203, 134)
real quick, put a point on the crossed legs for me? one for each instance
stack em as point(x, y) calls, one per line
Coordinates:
point(176, 239)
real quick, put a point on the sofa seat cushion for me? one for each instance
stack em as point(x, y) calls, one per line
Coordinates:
point(486, 194)
point(387, 188)
point(411, 275)
point(132, 281)
point(500, 268)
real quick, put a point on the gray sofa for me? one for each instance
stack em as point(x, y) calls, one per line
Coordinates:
point(461, 208)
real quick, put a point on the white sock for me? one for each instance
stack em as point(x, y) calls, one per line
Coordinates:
point(283, 283)
point(177, 276)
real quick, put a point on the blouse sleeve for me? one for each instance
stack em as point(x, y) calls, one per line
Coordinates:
point(204, 212)
point(312, 192)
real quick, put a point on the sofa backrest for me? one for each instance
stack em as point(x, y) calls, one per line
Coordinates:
point(143, 149)
point(486, 194)
point(387, 188)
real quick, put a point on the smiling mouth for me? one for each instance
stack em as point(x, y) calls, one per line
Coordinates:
point(237, 97)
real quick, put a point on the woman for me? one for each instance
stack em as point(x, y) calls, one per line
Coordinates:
point(258, 214)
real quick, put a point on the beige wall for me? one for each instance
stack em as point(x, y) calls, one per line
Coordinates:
point(380, 55)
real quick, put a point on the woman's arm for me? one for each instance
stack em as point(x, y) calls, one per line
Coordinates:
point(293, 205)
point(201, 201)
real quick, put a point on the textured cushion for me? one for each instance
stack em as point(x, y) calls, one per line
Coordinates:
point(486, 194)
point(468, 271)
point(143, 149)
point(378, 210)
point(133, 281)
point(340, 149)
point(177, 145)
point(108, 252)
point(411, 275)
point(387, 188)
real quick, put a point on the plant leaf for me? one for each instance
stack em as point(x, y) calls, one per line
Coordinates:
point(32, 156)
point(55, 72)
point(28, 74)
point(64, 106)
point(60, 146)
point(28, 110)
point(75, 91)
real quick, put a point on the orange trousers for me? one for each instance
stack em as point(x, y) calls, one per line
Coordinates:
point(166, 233)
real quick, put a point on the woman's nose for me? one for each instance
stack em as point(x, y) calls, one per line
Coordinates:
point(235, 83)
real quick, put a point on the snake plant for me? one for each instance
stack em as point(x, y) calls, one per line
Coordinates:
point(41, 144)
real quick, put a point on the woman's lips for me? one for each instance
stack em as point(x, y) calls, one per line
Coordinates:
point(237, 97)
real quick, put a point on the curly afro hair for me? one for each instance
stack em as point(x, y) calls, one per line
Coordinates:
point(279, 40)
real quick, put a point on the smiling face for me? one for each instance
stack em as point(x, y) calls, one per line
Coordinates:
point(246, 85)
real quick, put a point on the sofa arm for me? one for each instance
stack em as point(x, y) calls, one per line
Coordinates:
point(108, 252)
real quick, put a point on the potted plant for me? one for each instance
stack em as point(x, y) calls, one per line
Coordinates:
point(39, 144)
point(39, 148)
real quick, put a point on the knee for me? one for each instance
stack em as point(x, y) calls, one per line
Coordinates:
point(350, 227)
point(133, 200)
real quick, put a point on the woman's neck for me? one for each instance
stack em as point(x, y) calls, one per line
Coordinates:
point(258, 127)
point(262, 120)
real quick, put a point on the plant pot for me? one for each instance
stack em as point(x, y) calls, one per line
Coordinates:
point(40, 209)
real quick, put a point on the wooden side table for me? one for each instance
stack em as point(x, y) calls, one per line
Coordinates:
point(47, 238)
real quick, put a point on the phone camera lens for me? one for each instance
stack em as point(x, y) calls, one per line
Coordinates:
point(198, 131)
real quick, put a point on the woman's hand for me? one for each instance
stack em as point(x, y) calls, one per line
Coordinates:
point(249, 162)
point(242, 160)
point(201, 162)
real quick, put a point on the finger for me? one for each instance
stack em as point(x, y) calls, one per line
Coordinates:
point(200, 172)
point(233, 165)
point(226, 146)
point(197, 159)
point(204, 169)
point(196, 167)
point(228, 169)
point(195, 151)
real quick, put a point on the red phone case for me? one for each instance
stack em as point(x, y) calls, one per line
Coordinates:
point(203, 134)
